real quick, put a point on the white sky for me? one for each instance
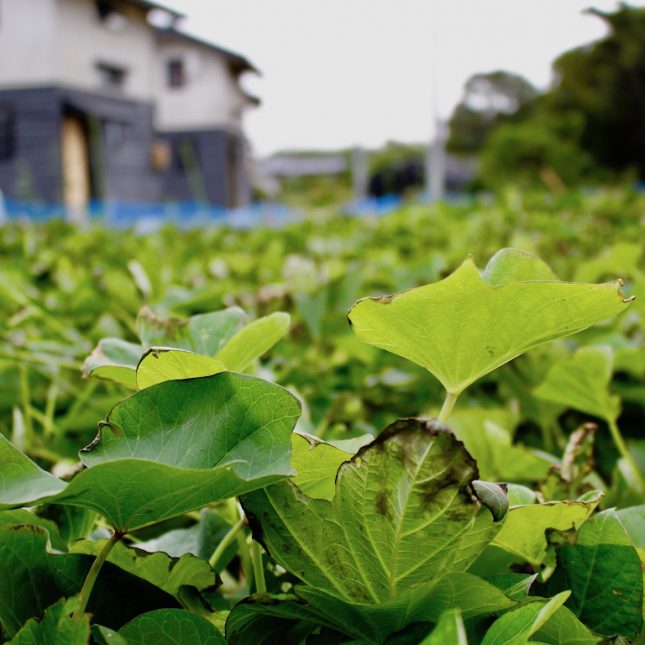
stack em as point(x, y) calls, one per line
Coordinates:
point(337, 73)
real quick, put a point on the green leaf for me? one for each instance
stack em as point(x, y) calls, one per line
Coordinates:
point(167, 573)
point(173, 448)
point(21, 480)
point(170, 627)
point(449, 630)
point(464, 327)
point(523, 532)
point(516, 627)
point(253, 341)
point(114, 359)
point(514, 265)
point(23, 516)
point(165, 364)
point(32, 579)
point(422, 604)
point(58, 627)
point(408, 489)
point(633, 521)
point(564, 628)
point(582, 383)
point(204, 334)
point(491, 445)
point(603, 571)
point(316, 463)
point(263, 619)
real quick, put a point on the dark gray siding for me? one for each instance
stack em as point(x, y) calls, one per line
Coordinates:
point(33, 172)
point(206, 165)
point(121, 133)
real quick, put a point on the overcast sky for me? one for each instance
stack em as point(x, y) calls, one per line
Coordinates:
point(338, 73)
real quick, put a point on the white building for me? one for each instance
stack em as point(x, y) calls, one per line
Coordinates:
point(97, 103)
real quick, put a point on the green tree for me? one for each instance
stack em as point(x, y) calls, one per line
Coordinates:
point(605, 82)
point(489, 100)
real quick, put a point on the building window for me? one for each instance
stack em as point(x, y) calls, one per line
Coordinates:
point(175, 73)
point(7, 133)
point(111, 75)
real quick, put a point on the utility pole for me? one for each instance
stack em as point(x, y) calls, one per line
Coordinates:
point(435, 162)
point(360, 173)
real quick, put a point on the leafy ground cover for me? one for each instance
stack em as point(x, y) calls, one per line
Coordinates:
point(374, 431)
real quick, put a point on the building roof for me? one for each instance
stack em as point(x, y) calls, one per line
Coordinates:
point(237, 62)
point(149, 5)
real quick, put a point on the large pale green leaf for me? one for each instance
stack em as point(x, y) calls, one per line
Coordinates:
point(464, 326)
point(170, 627)
point(449, 630)
point(524, 529)
point(172, 448)
point(409, 489)
point(603, 571)
point(517, 626)
point(58, 627)
point(166, 364)
point(582, 383)
point(252, 341)
point(114, 359)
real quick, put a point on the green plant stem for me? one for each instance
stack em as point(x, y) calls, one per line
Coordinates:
point(624, 452)
point(448, 405)
point(93, 573)
point(227, 540)
point(258, 568)
point(25, 396)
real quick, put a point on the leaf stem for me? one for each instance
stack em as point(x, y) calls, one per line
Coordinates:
point(93, 573)
point(227, 540)
point(624, 451)
point(258, 568)
point(448, 405)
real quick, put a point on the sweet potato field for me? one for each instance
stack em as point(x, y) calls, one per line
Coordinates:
point(420, 428)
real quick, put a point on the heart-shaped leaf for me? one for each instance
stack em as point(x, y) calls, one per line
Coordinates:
point(449, 630)
point(467, 325)
point(172, 448)
point(410, 488)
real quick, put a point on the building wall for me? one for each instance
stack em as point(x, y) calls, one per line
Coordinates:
point(210, 97)
point(217, 178)
point(27, 36)
point(82, 41)
point(60, 42)
point(121, 136)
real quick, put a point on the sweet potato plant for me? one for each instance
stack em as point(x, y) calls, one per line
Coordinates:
point(203, 512)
